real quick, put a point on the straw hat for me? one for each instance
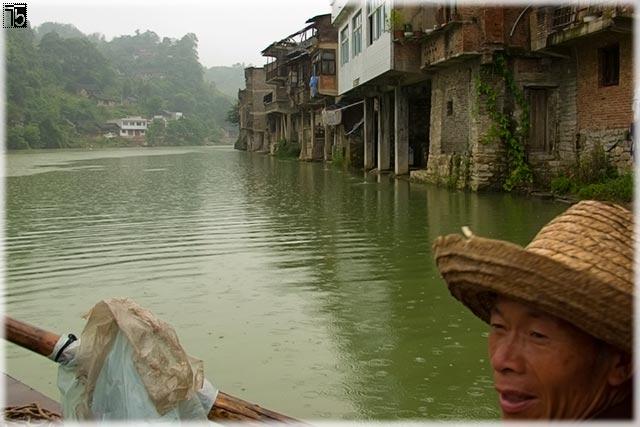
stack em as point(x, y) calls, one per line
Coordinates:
point(579, 267)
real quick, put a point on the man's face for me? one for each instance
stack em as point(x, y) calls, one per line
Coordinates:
point(543, 367)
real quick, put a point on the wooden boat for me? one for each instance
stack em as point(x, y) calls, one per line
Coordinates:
point(225, 408)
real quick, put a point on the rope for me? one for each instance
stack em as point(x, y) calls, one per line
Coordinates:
point(30, 412)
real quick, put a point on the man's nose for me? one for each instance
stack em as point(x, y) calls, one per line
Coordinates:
point(507, 355)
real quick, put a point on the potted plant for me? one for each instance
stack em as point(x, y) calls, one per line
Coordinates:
point(394, 23)
point(408, 30)
point(592, 14)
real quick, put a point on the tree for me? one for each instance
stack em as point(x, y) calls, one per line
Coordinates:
point(153, 105)
point(233, 115)
point(156, 132)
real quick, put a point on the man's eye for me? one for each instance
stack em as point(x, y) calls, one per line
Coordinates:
point(538, 335)
point(497, 326)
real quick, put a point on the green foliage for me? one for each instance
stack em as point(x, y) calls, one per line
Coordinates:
point(562, 185)
point(185, 131)
point(286, 149)
point(228, 80)
point(395, 20)
point(156, 133)
point(153, 105)
point(506, 128)
point(233, 115)
point(338, 159)
point(55, 76)
point(15, 139)
point(618, 189)
point(593, 167)
point(593, 177)
point(65, 31)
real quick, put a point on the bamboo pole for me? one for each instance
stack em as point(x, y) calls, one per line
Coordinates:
point(225, 408)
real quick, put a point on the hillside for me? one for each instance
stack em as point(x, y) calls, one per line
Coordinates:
point(62, 88)
point(228, 80)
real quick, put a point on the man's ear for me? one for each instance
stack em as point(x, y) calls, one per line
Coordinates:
point(621, 368)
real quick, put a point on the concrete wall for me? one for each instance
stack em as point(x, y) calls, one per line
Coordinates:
point(253, 124)
point(374, 60)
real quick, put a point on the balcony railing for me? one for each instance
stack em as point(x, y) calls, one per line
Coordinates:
point(562, 16)
point(565, 16)
point(273, 71)
point(278, 100)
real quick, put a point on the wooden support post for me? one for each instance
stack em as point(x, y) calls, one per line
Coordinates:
point(384, 133)
point(401, 132)
point(312, 149)
point(303, 149)
point(328, 142)
point(368, 133)
point(289, 134)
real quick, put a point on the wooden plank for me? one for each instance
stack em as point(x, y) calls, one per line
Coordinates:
point(17, 393)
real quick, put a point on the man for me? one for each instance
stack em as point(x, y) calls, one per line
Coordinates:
point(560, 311)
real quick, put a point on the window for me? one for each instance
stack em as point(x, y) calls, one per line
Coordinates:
point(329, 62)
point(344, 45)
point(450, 11)
point(356, 24)
point(376, 14)
point(324, 62)
point(450, 108)
point(609, 65)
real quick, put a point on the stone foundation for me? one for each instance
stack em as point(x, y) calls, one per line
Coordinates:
point(615, 142)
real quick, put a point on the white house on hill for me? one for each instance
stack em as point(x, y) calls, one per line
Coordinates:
point(131, 127)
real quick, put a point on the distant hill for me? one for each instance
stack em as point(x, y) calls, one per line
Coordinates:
point(228, 80)
point(65, 31)
point(63, 87)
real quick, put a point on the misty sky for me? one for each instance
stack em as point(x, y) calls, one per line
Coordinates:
point(229, 32)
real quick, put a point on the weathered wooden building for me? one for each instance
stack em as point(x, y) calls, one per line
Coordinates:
point(431, 89)
point(581, 93)
point(253, 135)
point(302, 72)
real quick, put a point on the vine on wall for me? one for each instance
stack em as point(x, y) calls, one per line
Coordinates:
point(506, 127)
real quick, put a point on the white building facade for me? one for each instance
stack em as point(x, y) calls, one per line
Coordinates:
point(364, 41)
point(131, 127)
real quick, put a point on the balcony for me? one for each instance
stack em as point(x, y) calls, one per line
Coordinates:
point(451, 43)
point(275, 72)
point(277, 101)
point(556, 26)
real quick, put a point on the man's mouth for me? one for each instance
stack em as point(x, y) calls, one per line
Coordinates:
point(514, 402)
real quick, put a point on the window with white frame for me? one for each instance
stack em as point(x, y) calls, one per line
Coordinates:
point(376, 17)
point(356, 24)
point(344, 45)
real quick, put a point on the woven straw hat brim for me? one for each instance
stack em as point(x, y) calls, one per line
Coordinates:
point(476, 268)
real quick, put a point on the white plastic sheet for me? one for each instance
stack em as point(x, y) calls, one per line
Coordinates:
point(130, 366)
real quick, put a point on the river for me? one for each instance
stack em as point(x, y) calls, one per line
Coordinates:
point(309, 290)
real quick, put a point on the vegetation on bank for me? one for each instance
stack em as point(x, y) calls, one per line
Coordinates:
point(508, 127)
point(286, 149)
point(63, 86)
point(593, 177)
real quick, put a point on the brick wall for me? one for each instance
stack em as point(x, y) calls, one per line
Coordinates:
point(604, 107)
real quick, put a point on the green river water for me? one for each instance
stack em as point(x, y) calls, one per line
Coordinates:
point(309, 290)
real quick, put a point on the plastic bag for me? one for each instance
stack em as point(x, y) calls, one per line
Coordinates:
point(130, 366)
